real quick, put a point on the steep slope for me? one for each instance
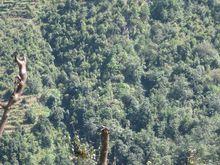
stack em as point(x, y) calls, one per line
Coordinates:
point(145, 69)
point(32, 135)
point(18, 32)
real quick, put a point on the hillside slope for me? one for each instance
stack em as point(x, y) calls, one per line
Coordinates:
point(148, 70)
point(29, 137)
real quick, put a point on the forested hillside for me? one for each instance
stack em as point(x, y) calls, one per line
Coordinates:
point(148, 70)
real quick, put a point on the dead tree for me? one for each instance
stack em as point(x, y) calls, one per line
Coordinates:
point(104, 149)
point(20, 81)
point(22, 65)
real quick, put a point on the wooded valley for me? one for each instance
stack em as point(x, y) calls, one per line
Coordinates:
point(149, 70)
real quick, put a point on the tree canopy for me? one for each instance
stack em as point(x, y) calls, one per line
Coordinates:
point(148, 70)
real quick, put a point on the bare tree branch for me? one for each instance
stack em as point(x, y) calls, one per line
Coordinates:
point(20, 81)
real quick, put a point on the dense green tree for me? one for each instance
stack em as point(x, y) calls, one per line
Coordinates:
point(149, 70)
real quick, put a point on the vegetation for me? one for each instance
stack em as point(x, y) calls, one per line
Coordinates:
point(148, 70)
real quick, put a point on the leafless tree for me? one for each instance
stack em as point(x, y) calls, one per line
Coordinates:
point(20, 81)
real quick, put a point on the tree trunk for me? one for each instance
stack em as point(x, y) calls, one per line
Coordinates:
point(19, 87)
point(105, 143)
point(4, 121)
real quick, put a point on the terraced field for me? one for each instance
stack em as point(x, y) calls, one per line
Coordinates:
point(21, 12)
point(22, 8)
point(16, 8)
point(17, 113)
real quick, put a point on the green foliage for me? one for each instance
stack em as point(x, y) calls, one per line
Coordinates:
point(149, 70)
point(50, 98)
point(30, 118)
point(57, 116)
point(166, 10)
